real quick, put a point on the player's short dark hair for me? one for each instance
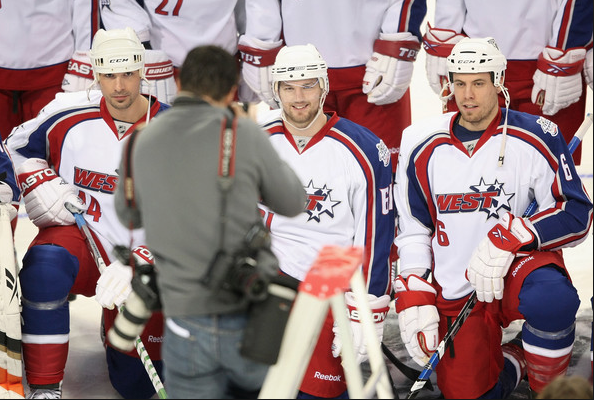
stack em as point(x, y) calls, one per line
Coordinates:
point(209, 70)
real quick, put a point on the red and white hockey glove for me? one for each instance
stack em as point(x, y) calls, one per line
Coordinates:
point(45, 193)
point(79, 75)
point(438, 44)
point(389, 70)
point(158, 70)
point(257, 58)
point(114, 284)
point(495, 253)
point(558, 78)
point(379, 310)
point(588, 68)
point(418, 318)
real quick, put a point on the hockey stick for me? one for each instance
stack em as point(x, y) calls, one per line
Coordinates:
point(470, 303)
point(142, 352)
point(11, 384)
point(407, 371)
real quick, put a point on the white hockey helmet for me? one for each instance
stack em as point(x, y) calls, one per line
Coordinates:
point(476, 55)
point(294, 63)
point(115, 51)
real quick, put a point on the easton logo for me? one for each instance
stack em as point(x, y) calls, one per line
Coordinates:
point(485, 197)
point(95, 181)
point(319, 202)
point(80, 69)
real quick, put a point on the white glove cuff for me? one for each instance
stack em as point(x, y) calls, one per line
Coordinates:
point(259, 44)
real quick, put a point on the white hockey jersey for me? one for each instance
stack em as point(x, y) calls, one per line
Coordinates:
point(42, 34)
point(522, 28)
point(347, 174)
point(357, 23)
point(80, 140)
point(176, 27)
point(447, 200)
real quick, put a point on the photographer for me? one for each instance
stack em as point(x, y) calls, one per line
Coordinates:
point(197, 211)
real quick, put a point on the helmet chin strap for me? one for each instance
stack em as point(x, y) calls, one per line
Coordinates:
point(148, 110)
point(504, 134)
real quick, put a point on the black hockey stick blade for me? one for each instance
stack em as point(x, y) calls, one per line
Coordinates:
point(407, 371)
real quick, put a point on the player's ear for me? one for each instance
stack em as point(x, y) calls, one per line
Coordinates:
point(178, 84)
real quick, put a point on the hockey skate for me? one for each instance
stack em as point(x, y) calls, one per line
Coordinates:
point(47, 392)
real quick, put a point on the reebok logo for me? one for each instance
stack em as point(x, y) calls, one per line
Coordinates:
point(323, 377)
point(521, 264)
point(155, 339)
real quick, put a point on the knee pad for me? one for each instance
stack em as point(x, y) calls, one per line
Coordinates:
point(549, 303)
point(47, 275)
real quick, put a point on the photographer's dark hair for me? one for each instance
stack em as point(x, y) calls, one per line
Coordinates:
point(209, 70)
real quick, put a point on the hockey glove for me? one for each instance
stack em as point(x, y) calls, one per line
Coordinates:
point(79, 75)
point(158, 70)
point(438, 44)
point(379, 310)
point(418, 318)
point(588, 68)
point(257, 58)
point(114, 284)
point(495, 253)
point(558, 79)
point(45, 193)
point(389, 71)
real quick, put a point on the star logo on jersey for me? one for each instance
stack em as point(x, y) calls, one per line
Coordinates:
point(495, 198)
point(319, 202)
point(485, 197)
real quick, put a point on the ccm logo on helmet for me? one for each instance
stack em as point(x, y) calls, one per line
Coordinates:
point(118, 60)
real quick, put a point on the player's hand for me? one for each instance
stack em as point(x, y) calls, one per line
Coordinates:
point(379, 310)
point(45, 193)
point(438, 44)
point(257, 58)
point(492, 258)
point(389, 70)
point(558, 79)
point(113, 286)
point(418, 318)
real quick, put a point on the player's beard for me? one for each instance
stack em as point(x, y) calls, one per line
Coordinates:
point(479, 116)
point(122, 105)
point(299, 118)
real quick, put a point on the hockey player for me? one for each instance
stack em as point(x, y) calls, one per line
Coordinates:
point(545, 44)
point(463, 181)
point(370, 48)
point(36, 42)
point(347, 174)
point(71, 153)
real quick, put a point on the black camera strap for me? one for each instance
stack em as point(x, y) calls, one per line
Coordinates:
point(226, 174)
point(226, 171)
